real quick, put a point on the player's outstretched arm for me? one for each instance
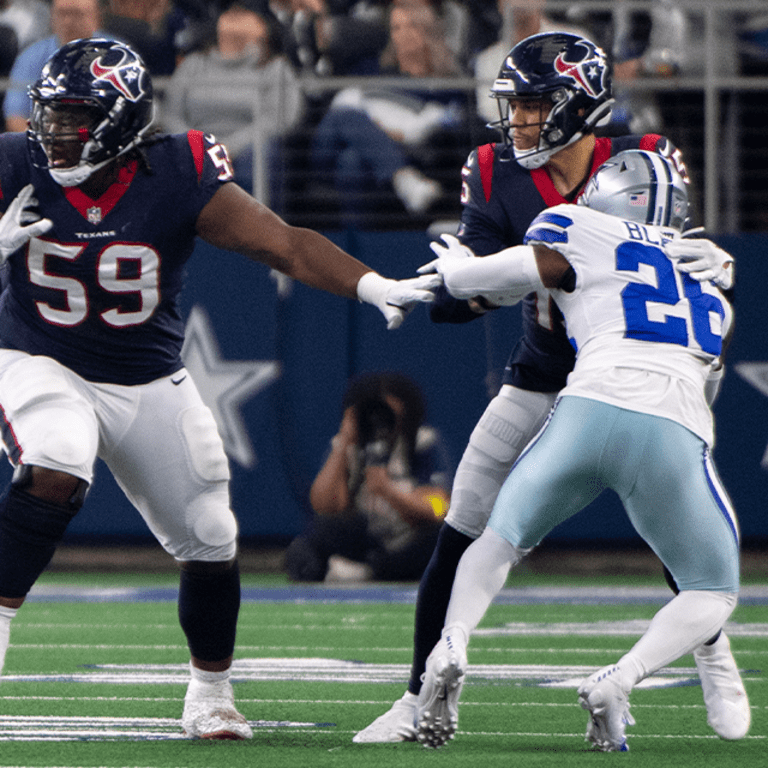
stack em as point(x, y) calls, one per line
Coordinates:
point(235, 221)
point(502, 278)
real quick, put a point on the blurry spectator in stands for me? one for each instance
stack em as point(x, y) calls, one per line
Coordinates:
point(646, 43)
point(683, 110)
point(382, 492)
point(243, 90)
point(151, 27)
point(199, 26)
point(378, 140)
point(518, 19)
point(456, 24)
point(70, 20)
point(346, 37)
point(29, 19)
point(336, 37)
point(753, 38)
point(9, 48)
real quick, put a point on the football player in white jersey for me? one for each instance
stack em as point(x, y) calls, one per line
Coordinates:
point(634, 417)
point(553, 89)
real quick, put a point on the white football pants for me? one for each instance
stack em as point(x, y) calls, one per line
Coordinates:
point(159, 440)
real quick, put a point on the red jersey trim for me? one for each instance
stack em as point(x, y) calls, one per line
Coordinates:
point(485, 163)
point(546, 188)
point(650, 142)
point(197, 146)
point(82, 203)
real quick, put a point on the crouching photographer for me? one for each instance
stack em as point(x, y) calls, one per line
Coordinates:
point(381, 495)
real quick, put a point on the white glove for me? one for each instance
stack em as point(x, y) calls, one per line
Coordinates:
point(702, 260)
point(502, 278)
point(19, 224)
point(396, 298)
point(451, 254)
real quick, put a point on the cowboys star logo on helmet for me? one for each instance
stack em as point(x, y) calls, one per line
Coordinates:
point(639, 186)
point(124, 76)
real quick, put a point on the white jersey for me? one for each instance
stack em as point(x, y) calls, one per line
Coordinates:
point(645, 335)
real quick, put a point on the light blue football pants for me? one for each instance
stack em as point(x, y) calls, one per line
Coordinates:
point(662, 472)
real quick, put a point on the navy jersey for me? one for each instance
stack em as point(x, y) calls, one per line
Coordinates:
point(500, 199)
point(100, 291)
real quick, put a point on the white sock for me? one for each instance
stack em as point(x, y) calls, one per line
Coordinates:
point(211, 678)
point(632, 670)
point(481, 574)
point(458, 631)
point(682, 625)
point(6, 616)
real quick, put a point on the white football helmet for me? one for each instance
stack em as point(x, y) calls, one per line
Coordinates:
point(639, 186)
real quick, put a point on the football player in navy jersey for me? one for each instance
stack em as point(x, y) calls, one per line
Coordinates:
point(553, 90)
point(99, 220)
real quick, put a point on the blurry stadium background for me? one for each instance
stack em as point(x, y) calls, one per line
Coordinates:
point(272, 358)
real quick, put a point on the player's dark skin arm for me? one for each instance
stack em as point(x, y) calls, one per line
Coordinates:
point(553, 266)
point(235, 221)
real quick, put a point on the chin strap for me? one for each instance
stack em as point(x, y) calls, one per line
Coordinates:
point(73, 177)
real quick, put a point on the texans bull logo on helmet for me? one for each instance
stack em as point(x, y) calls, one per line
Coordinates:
point(586, 73)
point(125, 75)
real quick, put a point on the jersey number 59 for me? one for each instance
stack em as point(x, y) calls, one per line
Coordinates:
point(73, 304)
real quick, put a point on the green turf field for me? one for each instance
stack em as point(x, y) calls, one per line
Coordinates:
point(96, 674)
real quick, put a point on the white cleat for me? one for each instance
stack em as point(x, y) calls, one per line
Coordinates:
point(438, 713)
point(605, 696)
point(396, 724)
point(724, 694)
point(210, 713)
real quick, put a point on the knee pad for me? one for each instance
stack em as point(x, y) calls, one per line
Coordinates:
point(206, 531)
point(211, 530)
point(510, 421)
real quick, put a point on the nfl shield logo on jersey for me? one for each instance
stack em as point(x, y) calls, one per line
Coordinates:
point(94, 215)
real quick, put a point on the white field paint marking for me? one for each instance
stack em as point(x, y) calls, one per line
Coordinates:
point(71, 728)
point(337, 670)
point(633, 628)
point(57, 728)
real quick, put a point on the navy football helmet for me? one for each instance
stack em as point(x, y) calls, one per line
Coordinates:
point(639, 186)
point(571, 74)
point(107, 79)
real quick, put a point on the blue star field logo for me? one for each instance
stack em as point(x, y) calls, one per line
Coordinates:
point(225, 385)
